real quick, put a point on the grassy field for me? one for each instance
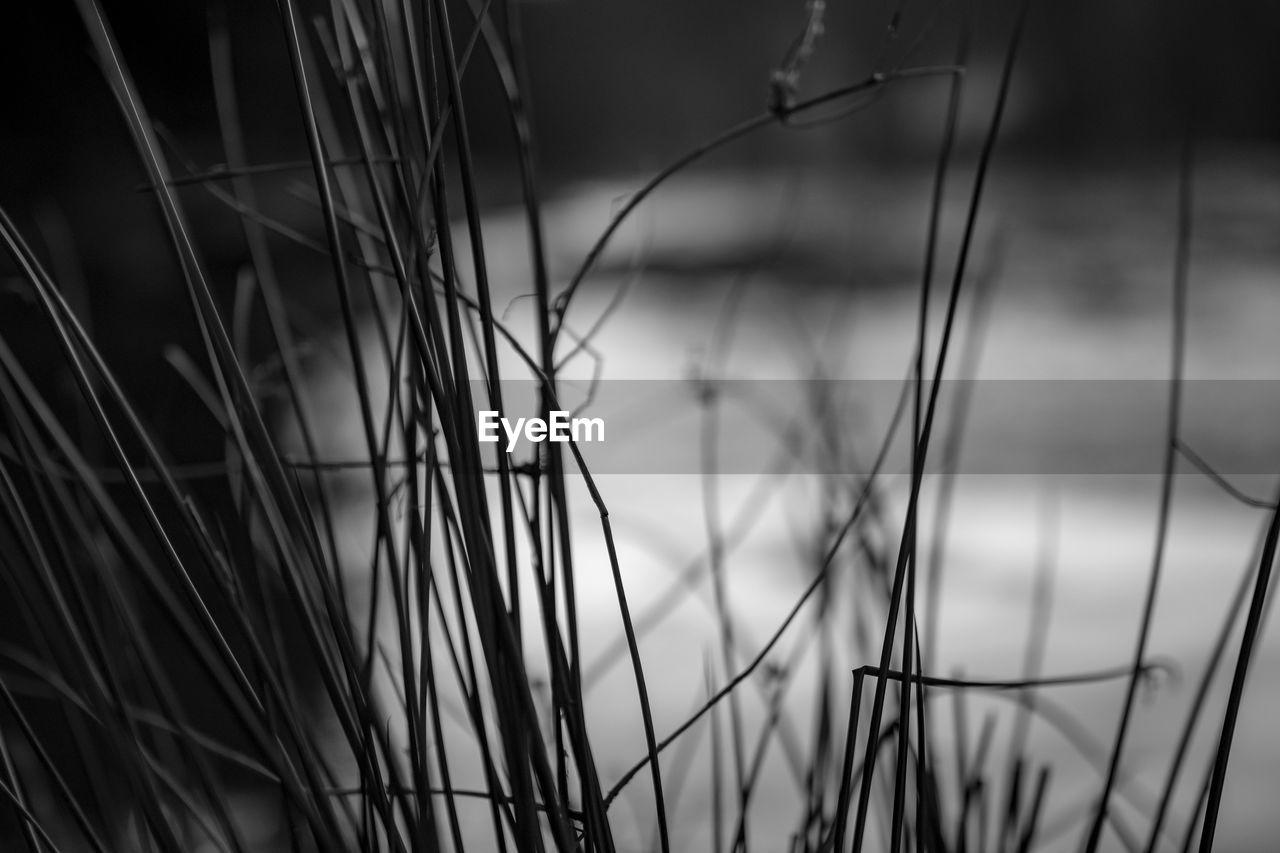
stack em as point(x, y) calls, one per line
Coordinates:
point(312, 611)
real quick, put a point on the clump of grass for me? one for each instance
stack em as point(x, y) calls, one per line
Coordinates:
point(395, 706)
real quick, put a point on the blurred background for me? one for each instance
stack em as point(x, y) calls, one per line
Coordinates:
point(619, 89)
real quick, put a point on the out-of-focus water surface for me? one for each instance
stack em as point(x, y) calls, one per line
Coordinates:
point(776, 276)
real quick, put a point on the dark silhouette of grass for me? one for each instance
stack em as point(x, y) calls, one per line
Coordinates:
point(406, 710)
